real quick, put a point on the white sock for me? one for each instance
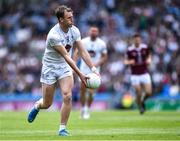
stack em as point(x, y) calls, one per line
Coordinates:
point(37, 103)
point(86, 108)
point(36, 106)
point(62, 127)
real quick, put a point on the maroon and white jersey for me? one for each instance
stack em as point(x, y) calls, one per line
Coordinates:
point(140, 55)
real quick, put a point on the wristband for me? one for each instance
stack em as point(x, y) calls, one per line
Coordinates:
point(93, 69)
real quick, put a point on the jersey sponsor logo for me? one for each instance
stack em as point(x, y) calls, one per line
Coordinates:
point(92, 53)
point(68, 47)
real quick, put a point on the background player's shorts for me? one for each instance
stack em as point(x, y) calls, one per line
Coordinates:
point(140, 79)
point(51, 74)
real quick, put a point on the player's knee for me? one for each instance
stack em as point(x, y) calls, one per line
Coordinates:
point(91, 96)
point(138, 92)
point(67, 97)
point(82, 95)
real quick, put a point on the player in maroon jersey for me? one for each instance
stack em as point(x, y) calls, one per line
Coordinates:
point(138, 57)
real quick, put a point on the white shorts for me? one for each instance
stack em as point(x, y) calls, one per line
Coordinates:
point(52, 73)
point(140, 79)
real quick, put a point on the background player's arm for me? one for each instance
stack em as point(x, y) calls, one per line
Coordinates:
point(128, 59)
point(61, 50)
point(84, 54)
point(129, 62)
point(103, 59)
point(149, 59)
point(75, 54)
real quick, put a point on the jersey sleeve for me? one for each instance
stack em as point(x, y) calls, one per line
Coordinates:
point(104, 48)
point(77, 35)
point(55, 41)
point(128, 55)
point(148, 51)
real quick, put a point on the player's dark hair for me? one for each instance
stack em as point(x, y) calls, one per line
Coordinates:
point(59, 11)
point(136, 35)
point(94, 25)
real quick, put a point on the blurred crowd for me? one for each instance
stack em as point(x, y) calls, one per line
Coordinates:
point(25, 24)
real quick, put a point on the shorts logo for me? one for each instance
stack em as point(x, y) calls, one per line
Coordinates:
point(66, 71)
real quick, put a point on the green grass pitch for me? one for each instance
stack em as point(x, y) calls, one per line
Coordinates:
point(106, 125)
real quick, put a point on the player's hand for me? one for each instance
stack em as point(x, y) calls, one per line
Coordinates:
point(84, 79)
point(94, 70)
point(148, 61)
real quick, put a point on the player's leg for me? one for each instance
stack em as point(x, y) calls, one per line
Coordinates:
point(89, 102)
point(48, 94)
point(148, 93)
point(44, 103)
point(83, 99)
point(90, 97)
point(66, 85)
point(48, 80)
point(148, 90)
point(146, 82)
point(138, 94)
point(135, 80)
point(83, 95)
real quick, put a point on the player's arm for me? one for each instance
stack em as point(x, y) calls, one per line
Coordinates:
point(85, 55)
point(75, 54)
point(102, 60)
point(103, 57)
point(128, 59)
point(62, 51)
point(149, 59)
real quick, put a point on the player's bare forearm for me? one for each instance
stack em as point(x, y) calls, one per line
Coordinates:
point(69, 60)
point(148, 60)
point(87, 59)
point(103, 59)
point(129, 62)
point(75, 55)
point(84, 54)
point(61, 50)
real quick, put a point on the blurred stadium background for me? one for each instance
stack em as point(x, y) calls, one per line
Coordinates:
point(25, 24)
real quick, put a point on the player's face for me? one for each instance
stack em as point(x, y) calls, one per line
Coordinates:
point(94, 32)
point(137, 40)
point(68, 19)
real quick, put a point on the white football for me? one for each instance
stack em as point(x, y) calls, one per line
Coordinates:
point(94, 81)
